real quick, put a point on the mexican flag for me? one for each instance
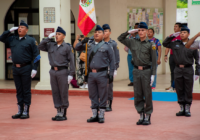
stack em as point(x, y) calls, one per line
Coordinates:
point(87, 16)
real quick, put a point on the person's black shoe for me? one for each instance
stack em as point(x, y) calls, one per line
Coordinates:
point(109, 106)
point(62, 118)
point(93, 119)
point(141, 120)
point(58, 112)
point(130, 84)
point(101, 120)
point(187, 110)
point(19, 113)
point(147, 120)
point(182, 111)
point(25, 114)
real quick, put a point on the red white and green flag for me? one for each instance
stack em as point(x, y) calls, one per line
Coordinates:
point(87, 16)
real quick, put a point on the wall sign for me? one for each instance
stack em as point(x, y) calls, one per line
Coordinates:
point(48, 31)
point(49, 14)
point(195, 2)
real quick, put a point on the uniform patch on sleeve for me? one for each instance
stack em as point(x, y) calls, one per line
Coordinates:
point(154, 47)
point(72, 50)
point(36, 43)
point(118, 48)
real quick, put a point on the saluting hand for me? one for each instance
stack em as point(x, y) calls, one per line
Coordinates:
point(51, 35)
point(13, 29)
point(133, 31)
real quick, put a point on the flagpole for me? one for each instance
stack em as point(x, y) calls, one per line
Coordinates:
point(86, 59)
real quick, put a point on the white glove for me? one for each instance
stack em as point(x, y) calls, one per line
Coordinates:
point(51, 35)
point(176, 34)
point(69, 79)
point(33, 73)
point(115, 73)
point(152, 79)
point(133, 31)
point(13, 29)
point(196, 77)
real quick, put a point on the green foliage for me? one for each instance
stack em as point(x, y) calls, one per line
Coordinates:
point(182, 3)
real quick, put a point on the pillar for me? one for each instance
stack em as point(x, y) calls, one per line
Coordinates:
point(62, 18)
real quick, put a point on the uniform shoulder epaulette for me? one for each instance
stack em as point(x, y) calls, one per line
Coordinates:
point(69, 44)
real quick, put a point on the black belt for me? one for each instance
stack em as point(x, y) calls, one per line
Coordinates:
point(59, 68)
point(98, 70)
point(184, 66)
point(21, 65)
point(143, 67)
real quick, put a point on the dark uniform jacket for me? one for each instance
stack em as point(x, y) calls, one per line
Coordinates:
point(182, 55)
point(24, 50)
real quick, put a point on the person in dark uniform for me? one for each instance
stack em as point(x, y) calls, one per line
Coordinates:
point(144, 59)
point(100, 56)
point(24, 51)
point(107, 32)
point(184, 59)
point(60, 58)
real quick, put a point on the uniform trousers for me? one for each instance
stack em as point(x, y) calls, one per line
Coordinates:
point(184, 84)
point(142, 91)
point(22, 79)
point(59, 86)
point(97, 86)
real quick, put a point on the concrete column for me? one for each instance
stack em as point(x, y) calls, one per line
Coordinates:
point(62, 15)
point(169, 21)
point(193, 24)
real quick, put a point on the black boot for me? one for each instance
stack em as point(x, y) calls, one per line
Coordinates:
point(94, 118)
point(58, 112)
point(25, 114)
point(63, 116)
point(141, 120)
point(147, 120)
point(182, 111)
point(101, 116)
point(109, 106)
point(19, 113)
point(187, 110)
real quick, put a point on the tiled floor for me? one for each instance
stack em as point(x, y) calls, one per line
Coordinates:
point(163, 81)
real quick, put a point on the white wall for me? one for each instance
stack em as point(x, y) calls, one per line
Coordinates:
point(4, 7)
point(193, 23)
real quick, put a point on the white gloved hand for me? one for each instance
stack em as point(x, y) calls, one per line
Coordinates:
point(133, 31)
point(152, 79)
point(69, 79)
point(51, 35)
point(13, 29)
point(196, 77)
point(176, 34)
point(33, 73)
point(115, 73)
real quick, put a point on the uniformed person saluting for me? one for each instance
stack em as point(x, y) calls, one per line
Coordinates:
point(60, 55)
point(183, 73)
point(144, 58)
point(113, 44)
point(100, 57)
point(24, 51)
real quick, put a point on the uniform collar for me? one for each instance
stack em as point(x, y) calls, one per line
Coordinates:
point(25, 37)
point(61, 44)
